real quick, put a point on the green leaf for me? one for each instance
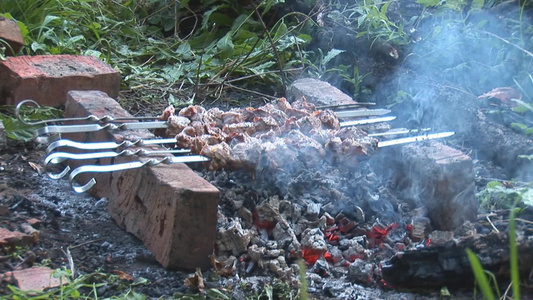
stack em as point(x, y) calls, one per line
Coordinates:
point(95, 53)
point(493, 184)
point(225, 45)
point(49, 19)
point(330, 55)
point(479, 273)
point(520, 126)
point(527, 105)
point(216, 294)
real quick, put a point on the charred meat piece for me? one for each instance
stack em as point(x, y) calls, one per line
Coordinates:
point(220, 155)
point(169, 111)
point(193, 112)
point(176, 124)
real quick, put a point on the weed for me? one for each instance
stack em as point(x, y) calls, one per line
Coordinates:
point(477, 268)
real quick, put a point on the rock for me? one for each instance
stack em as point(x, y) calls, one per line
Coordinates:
point(317, 92)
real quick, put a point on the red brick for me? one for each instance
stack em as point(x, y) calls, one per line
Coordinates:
point(441, 179)
point(10, 32)
point(12, 239)
point(48, 78)
point(169, 207)
point(35, 279)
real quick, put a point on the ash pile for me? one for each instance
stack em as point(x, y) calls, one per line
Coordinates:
point(295, 184)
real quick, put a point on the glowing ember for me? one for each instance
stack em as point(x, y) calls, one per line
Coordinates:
point(312, 255)
point(378, 233)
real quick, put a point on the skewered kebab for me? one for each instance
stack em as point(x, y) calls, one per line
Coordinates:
point(265, 137)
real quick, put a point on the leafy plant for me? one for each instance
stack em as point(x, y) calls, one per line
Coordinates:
point(477, 268)
point(85, 286)
point(500, 196)
point(19, 131)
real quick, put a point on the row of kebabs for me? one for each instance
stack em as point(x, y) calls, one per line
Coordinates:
point(266, 137)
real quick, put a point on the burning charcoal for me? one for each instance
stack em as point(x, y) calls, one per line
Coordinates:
point(353, 249)
point(334, 255)
point(420, 228)
point(381, 207)
point(247, 216)
point(321, 268)
point(233, 238)
point(313, 245)
point(256, 253)
point(361, 271)
point(285, 237)
point(313, 209)
point(226, 268)
point(468, 229)
point(279, 267)
point(439, 237)
point(266, 215)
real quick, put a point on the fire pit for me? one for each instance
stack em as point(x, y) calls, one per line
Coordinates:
point(352, 218)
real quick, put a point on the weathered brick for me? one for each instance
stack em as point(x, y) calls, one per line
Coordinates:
point(169, 207)
point(10, 33)
point(317, 92)
point(441, 179)
point(12, 239)
point(35, 279)
point(48, 78)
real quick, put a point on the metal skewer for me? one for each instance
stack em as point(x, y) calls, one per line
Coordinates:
point(366, 121)
point(109, 145)
point(58, 157)
point(362, 113)
point(127, 166)
point(398, 132)
point(91, 118)
point(415, 139)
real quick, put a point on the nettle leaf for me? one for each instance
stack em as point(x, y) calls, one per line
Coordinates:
point(331, 55)
point(225, 45)
point(184, 50)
